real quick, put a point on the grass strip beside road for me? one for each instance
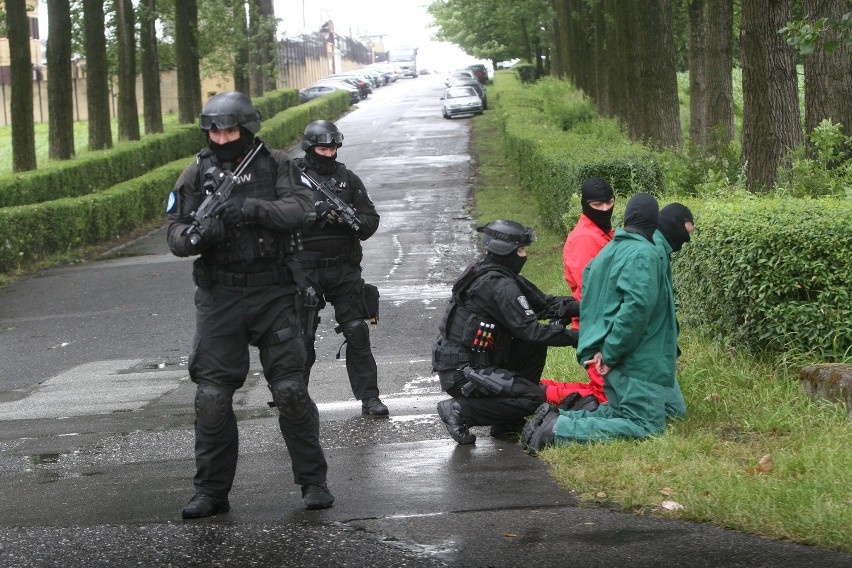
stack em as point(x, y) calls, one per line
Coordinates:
point(754, 454)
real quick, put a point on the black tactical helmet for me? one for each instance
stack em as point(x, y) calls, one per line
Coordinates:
point(504, 237)
point(230, 109)
point(321, 133)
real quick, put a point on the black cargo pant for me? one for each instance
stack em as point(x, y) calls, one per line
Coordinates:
point(526, 360)
point(228, 320)
point(342, 286)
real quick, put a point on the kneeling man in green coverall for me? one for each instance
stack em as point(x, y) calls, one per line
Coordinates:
point(628, 332)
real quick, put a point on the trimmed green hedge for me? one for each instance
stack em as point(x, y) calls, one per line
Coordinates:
point(554, 144)
point(102, 169)
point(32, 232)
point(771, 275)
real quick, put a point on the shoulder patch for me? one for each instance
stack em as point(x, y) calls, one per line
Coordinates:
point(171, 203)
point(525, 305)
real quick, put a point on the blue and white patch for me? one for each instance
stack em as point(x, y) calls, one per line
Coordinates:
point(522, 300)
point(172, 200)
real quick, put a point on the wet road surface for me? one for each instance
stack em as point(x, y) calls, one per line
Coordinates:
point(96, 411)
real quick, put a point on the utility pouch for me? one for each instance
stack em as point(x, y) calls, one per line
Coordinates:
point(448, 356)
point(371, 302)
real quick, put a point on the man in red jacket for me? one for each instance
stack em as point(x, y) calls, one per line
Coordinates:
point(592, 233)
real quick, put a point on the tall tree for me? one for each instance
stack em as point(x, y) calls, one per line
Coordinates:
point(21, 69)
point(128, 112)
point(720, 95)
point(828, 74)
point(97, 76)
point(697, 72)
point(266, 45)
point(60, 103)
point(152, 107)
point(241, 48)
point(771, 118)
point(655, 76)
point(187, 60)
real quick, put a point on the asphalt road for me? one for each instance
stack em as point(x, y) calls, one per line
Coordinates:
point(96, 411)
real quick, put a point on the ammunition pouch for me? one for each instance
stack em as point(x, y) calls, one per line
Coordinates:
point(448, 355)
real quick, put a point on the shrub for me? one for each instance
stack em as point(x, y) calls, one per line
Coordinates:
point(771, 275)
point(525, 72)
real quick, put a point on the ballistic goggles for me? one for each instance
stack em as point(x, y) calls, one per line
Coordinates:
point(223, 121)
point(325, 139)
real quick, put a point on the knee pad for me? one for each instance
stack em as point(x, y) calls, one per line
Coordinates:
point(291, 398)
point(356, 333)
point(212, 408)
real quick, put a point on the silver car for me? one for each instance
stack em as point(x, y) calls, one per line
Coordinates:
point(460, 101)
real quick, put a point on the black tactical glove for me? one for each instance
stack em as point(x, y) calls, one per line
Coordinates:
point(229, 212)
point(567, 309)
point(212, 231)
point(327, 212)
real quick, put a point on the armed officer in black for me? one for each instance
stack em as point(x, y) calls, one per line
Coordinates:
point(492, 348)
point(247, 293)
point(331, 257)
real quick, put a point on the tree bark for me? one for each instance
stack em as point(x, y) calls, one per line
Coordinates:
point(720, 94)
point(620, 59)
point(186, 60)
point(152, 107)
point(697, 73)
point(128, 112)
point(601, 56)
point(771, 118)
point(97, 74)
point(656, 115)
point(241, 56)
point(828, 76)
point(267, 46)
point(60, 105)
point(255, 50)
point(21, 70)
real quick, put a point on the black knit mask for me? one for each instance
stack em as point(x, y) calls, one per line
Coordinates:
point(641, 215)
point(229, 152)
point(597, 189)
point(321, 164)
point(513, 261)
point(672, 224)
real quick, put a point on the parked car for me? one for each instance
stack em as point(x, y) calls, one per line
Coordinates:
point(460, 101)
point(457, 74)
point(477, 86)
point(325, 88)
point(480, 72)
point(363, 87)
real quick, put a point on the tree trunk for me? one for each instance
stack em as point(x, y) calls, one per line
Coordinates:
point(828, 76)
point(560, 39)
point(186, 59)
point(657, 116)
point(771, 119)
point(601, 56)
point(241, 55)
point(267, 46)
point(697, 73)
point(128, 112)
point(152, 108)
point(620, 59)
point(60, 104)
point(21, 69)
point(720, 56)
point(97, 74)
point(255, 61)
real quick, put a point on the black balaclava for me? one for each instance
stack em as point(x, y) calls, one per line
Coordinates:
point(597, 189)
point(672, 224)
point(321, 164)
point(513, 261)
point(641, 215)
point(230, 151)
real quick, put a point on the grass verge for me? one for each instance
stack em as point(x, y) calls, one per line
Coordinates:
point(754, 454)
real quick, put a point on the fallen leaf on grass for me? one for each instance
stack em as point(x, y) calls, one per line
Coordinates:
point(671, 506)
point(600, 495)
point(764, 465)
point(668, 491)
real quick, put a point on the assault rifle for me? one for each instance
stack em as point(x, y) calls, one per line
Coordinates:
point(349, 216)
point(487, 380)
point(219, 186)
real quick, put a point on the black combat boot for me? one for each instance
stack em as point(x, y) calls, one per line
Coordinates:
point(374, 407)
point(317, 496)
point(202, 505)
point(540, 429)
point(450, 413)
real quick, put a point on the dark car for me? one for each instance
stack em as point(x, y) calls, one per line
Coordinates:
point(364, 88)
point(480, 72)
point(470, 82)
point(459, 101)
point(325, 88)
